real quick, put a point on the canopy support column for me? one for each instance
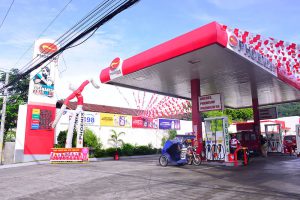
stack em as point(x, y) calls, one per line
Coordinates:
point(196, 115)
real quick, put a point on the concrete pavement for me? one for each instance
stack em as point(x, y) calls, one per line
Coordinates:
point(276, 177)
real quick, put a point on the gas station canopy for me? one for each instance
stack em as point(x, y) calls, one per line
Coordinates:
point(235, 63)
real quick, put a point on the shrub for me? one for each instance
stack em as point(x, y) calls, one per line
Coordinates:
point(10, 136)
point(99, 153)
point(142, 150)
point(91, 140)
point(112, 151)
point(61, 139)
point(127, 149)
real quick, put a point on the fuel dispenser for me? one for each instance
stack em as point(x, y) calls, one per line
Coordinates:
point(274, 137)
point(217, 138)
point(298, 139)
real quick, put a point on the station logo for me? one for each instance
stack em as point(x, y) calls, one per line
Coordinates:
point(115, 68)
point(48, 48)
point(233, 41)
point(115, 63)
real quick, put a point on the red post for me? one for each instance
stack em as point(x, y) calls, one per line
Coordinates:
point(256, 120)
point(196, 115)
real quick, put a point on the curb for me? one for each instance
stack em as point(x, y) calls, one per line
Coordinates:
point(90, 160)
point(122, 157)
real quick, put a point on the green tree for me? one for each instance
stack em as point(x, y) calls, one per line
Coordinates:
point(62, 137)
point(171, 135)
point(115, 138)
point(90, 139)
point(17, 95)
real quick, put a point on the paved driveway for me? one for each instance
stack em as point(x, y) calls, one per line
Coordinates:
point(276, 177)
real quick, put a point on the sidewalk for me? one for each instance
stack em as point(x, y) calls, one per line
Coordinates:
point(90, 160)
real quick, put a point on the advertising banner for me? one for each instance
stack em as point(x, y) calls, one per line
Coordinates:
point(69, 155)
point(210, 102)
point(115, 120)
point(143, 122)
point(42, 80)
point(166, 124)
point(90, 118)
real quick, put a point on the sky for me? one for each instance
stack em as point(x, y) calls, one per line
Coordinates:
point(146, 24)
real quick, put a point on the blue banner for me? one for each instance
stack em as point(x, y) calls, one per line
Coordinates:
point(166, 124)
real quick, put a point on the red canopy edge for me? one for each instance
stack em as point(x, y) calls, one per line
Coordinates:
point(201, 37)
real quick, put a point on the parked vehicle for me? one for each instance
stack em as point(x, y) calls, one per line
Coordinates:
point(289, 144)
point(249, 139)
point(175, 151)
point(193, 157)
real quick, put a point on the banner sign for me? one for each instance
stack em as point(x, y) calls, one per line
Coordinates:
point(169, 124)
point(69, 155)
point(250, 53)
point(210, 102)
point(143, 122)
point(115, 120)
point(268, 113)
point(90, 118)
point(42, 80)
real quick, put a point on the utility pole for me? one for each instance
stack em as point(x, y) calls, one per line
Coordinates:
point(3, 117)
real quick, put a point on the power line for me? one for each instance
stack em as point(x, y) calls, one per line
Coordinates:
point(74, 30)
point(7, 13)
point(52, 21)
point(66, 42)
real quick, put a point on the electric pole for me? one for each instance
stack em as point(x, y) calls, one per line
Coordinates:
point(3, 115)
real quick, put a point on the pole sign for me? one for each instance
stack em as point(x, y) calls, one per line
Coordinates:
point(268, 113)
point(42, 80)
point(210, 102)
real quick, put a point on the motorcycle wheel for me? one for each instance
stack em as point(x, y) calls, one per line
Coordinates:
point(197, 160)
point(163, 161)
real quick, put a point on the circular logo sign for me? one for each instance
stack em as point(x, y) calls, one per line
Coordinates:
point(115, 63)
point(233, 41)
point(48, 48)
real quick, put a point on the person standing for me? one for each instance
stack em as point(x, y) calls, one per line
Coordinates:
point(263, 146)
point(234, 143)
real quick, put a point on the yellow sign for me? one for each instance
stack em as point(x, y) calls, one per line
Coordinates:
point(115, 120)
point(36, 111)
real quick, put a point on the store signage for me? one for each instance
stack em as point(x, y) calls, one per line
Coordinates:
point(250, 54)
point(210, 102)
point(115, 68)
point(43, 79)
point(115, 120)
point(268, 113)
point(169, 124)
point(48, 48)
point(143, 122)
point(69, 155)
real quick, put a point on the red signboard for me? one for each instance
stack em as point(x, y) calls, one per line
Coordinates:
point(39, 136)
point(69, 155)
point(143, 122)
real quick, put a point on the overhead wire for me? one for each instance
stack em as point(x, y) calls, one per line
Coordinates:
point(7, 12)
point(65, 38)
point(45, 29)
point(109, 14)
point(61, 38)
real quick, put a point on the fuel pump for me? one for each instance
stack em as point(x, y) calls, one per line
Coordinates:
point(274, 137)
point(217, 138)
